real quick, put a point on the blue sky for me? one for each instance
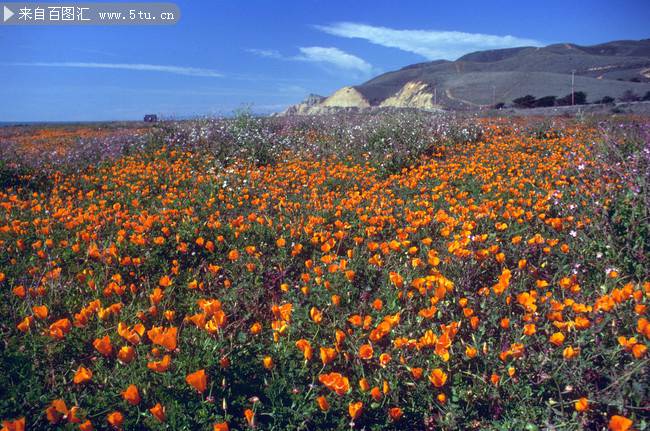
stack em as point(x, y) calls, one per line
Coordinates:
point(223, 55)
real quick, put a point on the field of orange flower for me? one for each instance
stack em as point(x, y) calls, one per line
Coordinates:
point(379, 273)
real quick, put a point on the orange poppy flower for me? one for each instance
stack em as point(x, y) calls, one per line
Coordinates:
point(160, 366)
point(221, 426)
point(56, 411)
point(438, 378)
point(198, 380)
point(233, 255)
point(335, 382)
point(14, 425)
point(570, 352)
point(126, 354)
point(131, 395)
point(115, 419)
point(557, 339)
point(268, 362)
point(165, 337)
point(103, 345)
point(40, 311)
point(82, 375)
point(619, 423)
point(366, 351)
point(305, 348)
point(60, 328)
point(165, 281)
point(316, 315)
point(416, 372)
point(470, 352)
point(354, 409)
point(327, 354)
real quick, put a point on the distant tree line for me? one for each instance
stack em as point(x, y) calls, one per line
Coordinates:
point(577, 98)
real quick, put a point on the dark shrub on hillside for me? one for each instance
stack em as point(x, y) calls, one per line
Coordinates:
point(580, 98)
point(527, 101)
point(606, 100)
point(646, 97)
point(629, 96)
point(545, 101)
point(502, 105)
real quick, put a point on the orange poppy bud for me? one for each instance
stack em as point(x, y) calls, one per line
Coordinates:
point(85, 426)
point(322, 403)
point(395, 413)
point(250, 417)
point(221, 426)
point(581, 405)
point(158, 411)
point(256, 328)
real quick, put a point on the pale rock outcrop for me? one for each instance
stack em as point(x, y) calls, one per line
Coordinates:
point(346, 97)
point(413, 94)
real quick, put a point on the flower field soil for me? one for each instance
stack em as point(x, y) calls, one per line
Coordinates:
point(493, 276)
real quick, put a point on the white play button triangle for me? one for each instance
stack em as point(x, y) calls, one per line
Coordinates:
point(7, 13)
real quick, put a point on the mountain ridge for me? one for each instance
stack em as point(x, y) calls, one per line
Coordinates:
point(483, 78)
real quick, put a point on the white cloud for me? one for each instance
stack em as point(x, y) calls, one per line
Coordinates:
point(268, 53)
point(430, 44)
point(178, 70)
point(334, 56)
point(322, 55)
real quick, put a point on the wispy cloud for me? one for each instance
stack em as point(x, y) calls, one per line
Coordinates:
point(322, 55)
point(178, 70)
point(268, 53)
point(430, 44)
point(334, 56)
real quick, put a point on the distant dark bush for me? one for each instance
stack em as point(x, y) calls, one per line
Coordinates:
point(606, 100)
point(502, 105)
point(635, 79)
point(545, 101)
point(646, 97)
point(527, 101)
point(580, 98)
point(629, 96)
